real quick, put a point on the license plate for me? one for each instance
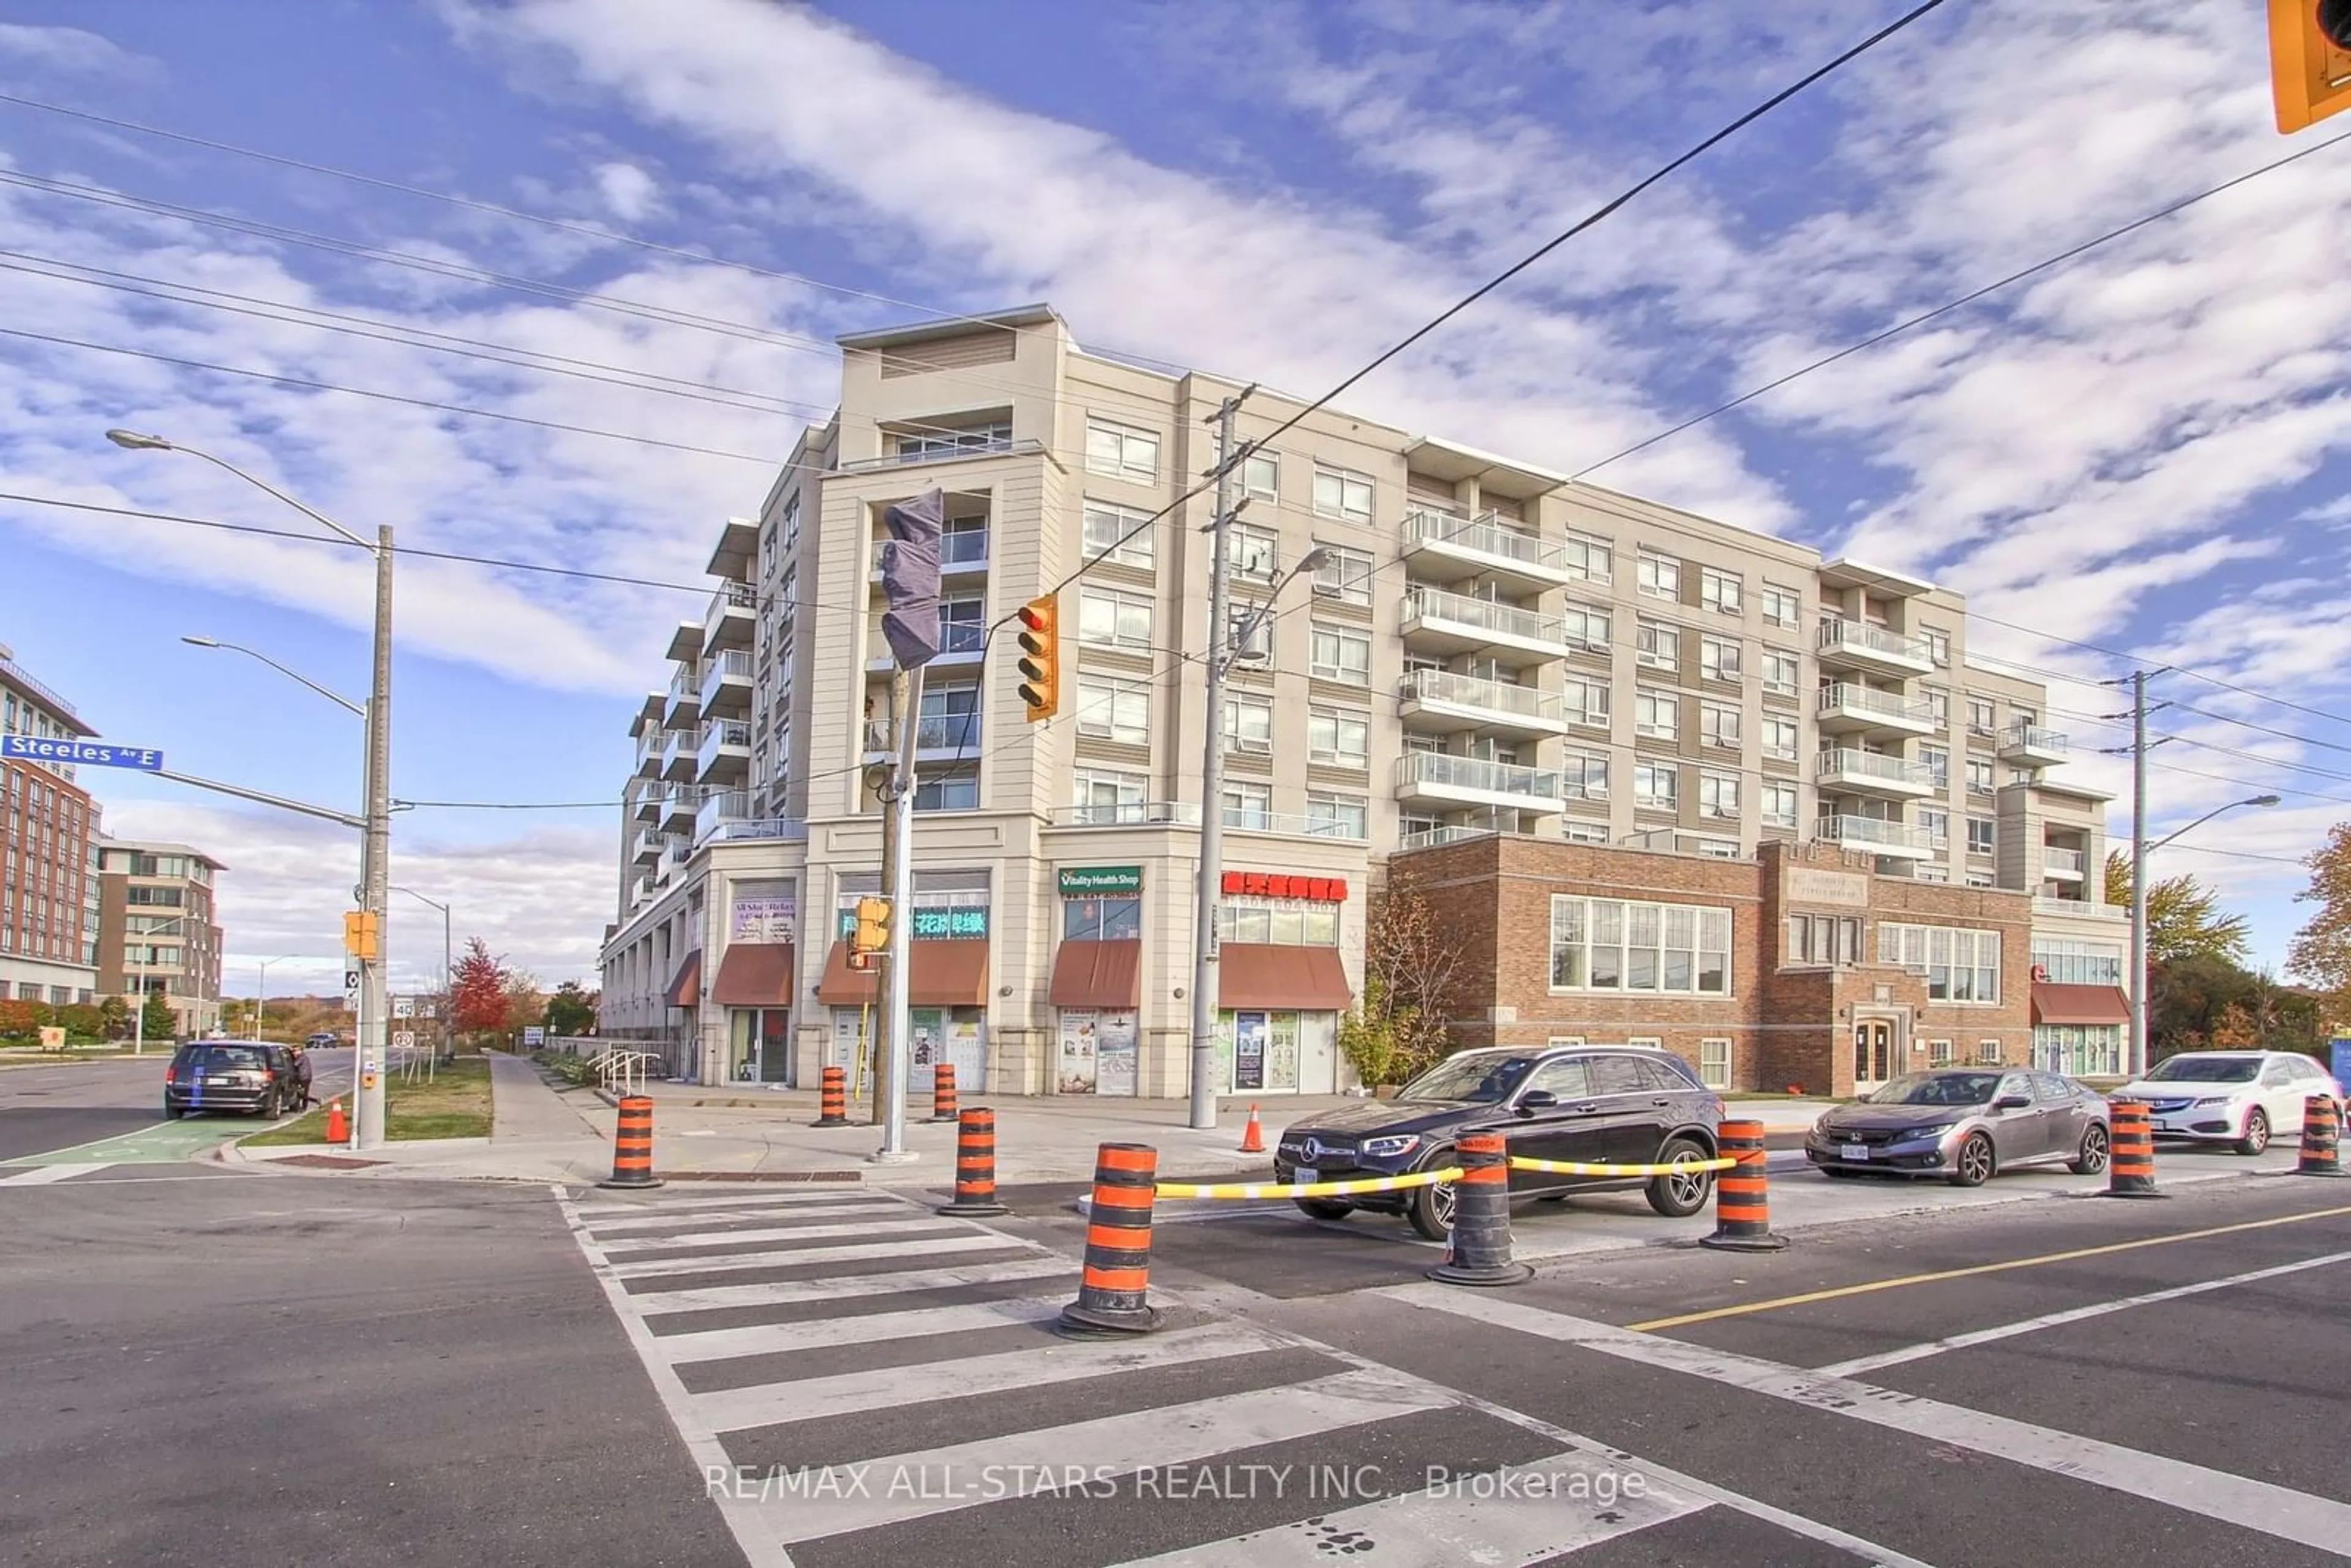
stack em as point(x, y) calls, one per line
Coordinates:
point(1301, 1174)
point(1853, 1151)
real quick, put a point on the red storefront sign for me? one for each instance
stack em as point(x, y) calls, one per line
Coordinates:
point(1279, 885)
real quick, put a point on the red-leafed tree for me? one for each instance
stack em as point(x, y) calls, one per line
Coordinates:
point(477, 990)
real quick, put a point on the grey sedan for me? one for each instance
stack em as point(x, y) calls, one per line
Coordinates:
point(1964, 1123)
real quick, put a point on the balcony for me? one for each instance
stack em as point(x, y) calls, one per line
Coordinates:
point(961, 643)
point(678, 760)
point(953, 446)
point(961, 553)
point(1129, 814)
point(770, 830)
point(1446, 547)
point(676, 812)
point(1848, 708)
point(1850, 772)
point(2078, 908)
point(649, 755)
point(683, 709)
point(1844, 644)
point(724, 756)
point(1441, 701)
point(1249, 819)
point(1442, 622)
point(717, 811)
point(646, 847)
point(1440, 781)
point(938, 738)
point(1894, 840)
point(672, 861)
point(686, 643)
point(726, 686)
point(2025, 745)
point(2061, 865)
point(731, 617)
point(644, 802)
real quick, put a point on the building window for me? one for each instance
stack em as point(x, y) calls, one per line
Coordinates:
point(1576, 833)
point(1346, 576)
point(1123, 536)
point(1978, 777)
point(1717, 724)
point(1102, 919)
point(1780, 737)
point(1979, 835)
point(1332, 816)
point(952, 789)
point(1261, 475)
point(1614, 944)
point(1585, 702)
point(1937, 823)
point(1109, 619)
point(1937, 761)
point(2070, 962)
point(1719, 591)
point(1252, 552)
point(1588, 558)
point(1342, 492)
point(1962, 964)
point(1284, 923)
point(1341, 656)
point(1249, 726)
point(1657, 714)
point(1824, 939)
point(1658, 646)
point(1988, 1053)
point(925, 445)
point(1114, 710)
point(1105, 796)
point(1657, 576)
point(1982, 718)
point(1939, 1053)
point(1718, 796)
point(1714, 1064)
point(1121, 451)
point(1779, 804)
point(948, 719)
point(1782, 606)
point(1927, 871)
point(1341, 737)
point(1584, 776)
point(1583, 629)
point(1939, 646)
point(1249, 805)
point(1719, 658)
point(1657, 786)
point(1939, 706)
point(1781, 672)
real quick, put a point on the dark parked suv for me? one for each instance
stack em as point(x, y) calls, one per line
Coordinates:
point(1596, 1104)
point(232, 1075)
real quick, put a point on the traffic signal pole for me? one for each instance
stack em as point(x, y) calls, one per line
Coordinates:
point(1205, 938)
point(893, 1065)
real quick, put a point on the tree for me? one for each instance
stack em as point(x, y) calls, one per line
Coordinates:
point(2321, 951)
point(114, 1018)
point(2183, 915)
point(2234, 1030)
point(526, 1003)
point(1410, 966)
point(570, 1011)
point(157, 1020)
point(477, 990)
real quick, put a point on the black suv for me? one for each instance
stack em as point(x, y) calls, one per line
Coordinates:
point(232, 1075)
point(1595, 1104)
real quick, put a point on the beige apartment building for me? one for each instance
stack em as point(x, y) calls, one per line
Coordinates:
point(1491, 649)
point(158, 930)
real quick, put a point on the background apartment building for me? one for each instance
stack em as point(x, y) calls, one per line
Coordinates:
point(159, 933)
point(49, 896)
point(1490, 649)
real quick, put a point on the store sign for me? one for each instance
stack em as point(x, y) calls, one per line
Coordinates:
point(1090, 881)
point(967, 921)
point(1273, 885)
point(764, 917)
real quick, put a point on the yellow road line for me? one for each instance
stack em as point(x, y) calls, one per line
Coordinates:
point(1686, 1319)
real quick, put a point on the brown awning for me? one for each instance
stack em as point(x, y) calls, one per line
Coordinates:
point(755, 975)
point(1267, 975)
point(1097, 974)
point(686, 986)
point(2053, 1003)
point(945, 972)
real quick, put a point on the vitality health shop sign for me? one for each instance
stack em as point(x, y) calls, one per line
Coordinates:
point(1098, 881)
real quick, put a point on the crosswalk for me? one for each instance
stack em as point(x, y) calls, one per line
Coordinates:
point(863, 1380)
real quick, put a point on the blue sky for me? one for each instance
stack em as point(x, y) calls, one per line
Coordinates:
point(2142, 450)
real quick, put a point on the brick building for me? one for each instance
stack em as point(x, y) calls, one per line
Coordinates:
point(48, 898)
point(1799, 967)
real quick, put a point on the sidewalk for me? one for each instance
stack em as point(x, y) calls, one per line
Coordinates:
point(546, 1134)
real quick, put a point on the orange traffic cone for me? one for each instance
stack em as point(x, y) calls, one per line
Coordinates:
point(1252, 1136)
point(338, 1131)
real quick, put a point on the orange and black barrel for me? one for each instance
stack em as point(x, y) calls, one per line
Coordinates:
point(832, 1099)
point(2321, 1135)
point(1477, 1247)
point(1742, 1195)
point(633, 1144)
point(2130, 1164)
point(1114, 1290)
point(974, 1187)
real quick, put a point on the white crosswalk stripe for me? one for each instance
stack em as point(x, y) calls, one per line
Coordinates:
point(934, 1387)
point(41, 1176)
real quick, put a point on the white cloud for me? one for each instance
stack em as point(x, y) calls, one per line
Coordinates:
point(69, 51)
point(628, 191)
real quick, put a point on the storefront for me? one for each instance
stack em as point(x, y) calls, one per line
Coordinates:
point(2078, 1029)
point(1280, 984)
point(946, 982)
point(1097, 985)
point(683, 995)
point(755, 979)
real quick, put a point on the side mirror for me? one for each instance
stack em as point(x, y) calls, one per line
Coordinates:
point(1535, 1100)
point(2010, 1103)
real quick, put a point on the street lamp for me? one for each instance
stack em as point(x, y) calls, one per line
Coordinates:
point(2137, 1066)
point(137, 973)
point(261, 988)
point(448, 1024)
point(338, 698)
point(375, 860)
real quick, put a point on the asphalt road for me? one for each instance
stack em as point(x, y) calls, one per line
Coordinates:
point(108, 1111)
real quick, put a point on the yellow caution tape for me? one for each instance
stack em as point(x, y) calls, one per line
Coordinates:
point(1309, 1189)
point(1578, 1168)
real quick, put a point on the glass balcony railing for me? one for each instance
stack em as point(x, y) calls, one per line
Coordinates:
point(1485, 616)
point(1854, 764)
point(1484, 536)
point(1492, 697)
point(1839, 634)
point(1851, 699)
point(1444, 771)
point(1870, 832)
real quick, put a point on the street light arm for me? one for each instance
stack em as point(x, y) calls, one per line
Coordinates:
point(355, 709)
point(2254, 800)
point(260, 484)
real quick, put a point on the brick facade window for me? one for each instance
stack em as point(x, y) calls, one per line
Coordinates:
point(1617, 945)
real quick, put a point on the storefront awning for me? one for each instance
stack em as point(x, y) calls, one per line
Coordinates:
point(2054, 1003)
point(943, 973)
point(686, 985)
point(1097, 974)
point(1272, 975)
point(755, 975)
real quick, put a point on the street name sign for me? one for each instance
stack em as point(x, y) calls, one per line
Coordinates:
point(86, 753)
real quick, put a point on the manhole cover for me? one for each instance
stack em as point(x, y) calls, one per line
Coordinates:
point(326, 1162)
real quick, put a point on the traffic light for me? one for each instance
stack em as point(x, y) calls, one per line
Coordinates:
point(2310, 60)
point(360, 932)
point(1041, 657)
point(871, 934)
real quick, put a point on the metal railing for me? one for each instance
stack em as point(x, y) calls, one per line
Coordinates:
point(1837, 631)
point(787, 829)
point(1248, 819)
point(1485, 616)
point(2055, 859)
point(938, 732)
point(980, 445)
point(1128, 814)
point(16, 676)
point(1494, 696)
point(1449, 772)
point(1486, 535)
point(1870, 832)
point(1862, 699)
point(1871, 764)
point(2032, 738)
point(2079, 907)
point(621, 1072)
point(966, 546)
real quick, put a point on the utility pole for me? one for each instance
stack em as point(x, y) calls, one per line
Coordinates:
point(910, 583)
point(1205, 938)
point(894, 727)
point(2137, 1066)
point(375, 879)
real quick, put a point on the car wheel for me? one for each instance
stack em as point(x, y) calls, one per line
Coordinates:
point(174, 1112)
point(2093, 1157)
point(1431, 1209)
point(2257, 1133)
point(1324, 1207)
point(267, 1108)
point(1681, 1193)
point(1972, 1166)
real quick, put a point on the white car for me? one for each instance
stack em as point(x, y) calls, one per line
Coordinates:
point(2241, 1097)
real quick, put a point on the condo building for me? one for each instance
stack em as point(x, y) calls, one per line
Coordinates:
point(1597, 719)
point(158, 930)
point(49, 896)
